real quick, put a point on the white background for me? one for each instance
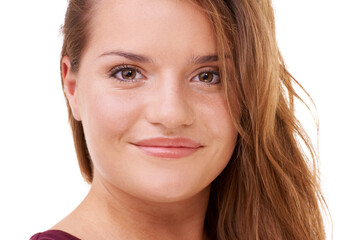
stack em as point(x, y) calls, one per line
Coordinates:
point(39, 180)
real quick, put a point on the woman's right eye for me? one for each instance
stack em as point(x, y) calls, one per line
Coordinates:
point(126, 74)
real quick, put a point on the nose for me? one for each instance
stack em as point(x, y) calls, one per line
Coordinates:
point(169, 105)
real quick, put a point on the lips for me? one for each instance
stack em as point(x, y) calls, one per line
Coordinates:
point(168, 147)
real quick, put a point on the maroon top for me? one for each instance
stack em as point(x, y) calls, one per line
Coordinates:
point(53, 235)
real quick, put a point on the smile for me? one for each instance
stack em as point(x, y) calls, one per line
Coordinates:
point(168, 147)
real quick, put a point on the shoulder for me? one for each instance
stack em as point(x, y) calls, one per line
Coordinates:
point(53, 235)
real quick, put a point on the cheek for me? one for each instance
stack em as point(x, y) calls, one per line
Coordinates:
point(107, 116)
point(214, 115)
point(215, 126)
point(115, 114)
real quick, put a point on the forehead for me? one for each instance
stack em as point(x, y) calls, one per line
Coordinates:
point(172, 28)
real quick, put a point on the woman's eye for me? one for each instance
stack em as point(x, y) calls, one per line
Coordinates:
point(128, 74)
point(209, 77)
point(124, 73)
point(206, 77)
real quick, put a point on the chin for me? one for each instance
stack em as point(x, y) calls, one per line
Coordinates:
point(171, 190)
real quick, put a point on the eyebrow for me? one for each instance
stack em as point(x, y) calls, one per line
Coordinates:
point(131, 56)
point(203, 59)
point(144, 59)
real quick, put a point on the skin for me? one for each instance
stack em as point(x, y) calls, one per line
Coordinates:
point(135, 195)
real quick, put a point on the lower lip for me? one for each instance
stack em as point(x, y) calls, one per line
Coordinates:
point(168, 152)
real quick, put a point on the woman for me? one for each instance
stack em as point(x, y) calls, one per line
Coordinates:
point(183, 123)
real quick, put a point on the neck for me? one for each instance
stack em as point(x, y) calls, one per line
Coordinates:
point(118, 215)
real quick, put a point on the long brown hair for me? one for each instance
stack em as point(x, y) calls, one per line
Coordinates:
point(270, 188)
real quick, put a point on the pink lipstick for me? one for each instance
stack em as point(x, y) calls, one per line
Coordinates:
point(168, 147)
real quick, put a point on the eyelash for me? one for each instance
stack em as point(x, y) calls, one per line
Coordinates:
point(215, 73)
point(120, 68)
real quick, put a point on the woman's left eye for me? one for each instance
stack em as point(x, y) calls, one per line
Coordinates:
point(126, 74)
point(209, 77)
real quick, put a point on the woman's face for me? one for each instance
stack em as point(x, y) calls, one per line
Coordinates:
point(150, 99)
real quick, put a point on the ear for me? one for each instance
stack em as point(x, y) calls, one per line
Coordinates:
point(69, 86)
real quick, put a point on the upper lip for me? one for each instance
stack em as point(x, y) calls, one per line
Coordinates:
point(179, 142)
